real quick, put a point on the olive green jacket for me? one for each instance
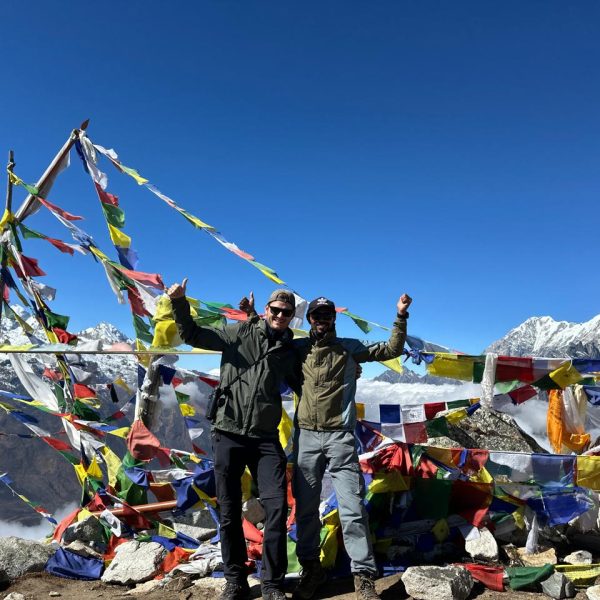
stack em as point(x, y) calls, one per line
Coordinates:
point(328, 379)
point(250, 405)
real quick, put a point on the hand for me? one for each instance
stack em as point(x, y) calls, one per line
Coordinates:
point(403, 303)
point(177, 290)
point(358, 370)
point(247, 304)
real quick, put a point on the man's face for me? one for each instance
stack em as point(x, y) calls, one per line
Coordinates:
point(322, 320)
point(278, 315)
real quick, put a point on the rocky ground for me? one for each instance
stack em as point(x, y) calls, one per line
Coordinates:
point(35, 586)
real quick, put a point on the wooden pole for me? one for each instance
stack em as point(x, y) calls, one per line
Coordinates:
point(30, 203)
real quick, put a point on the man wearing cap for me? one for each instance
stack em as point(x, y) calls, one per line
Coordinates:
point(257, 356)
point(324, 438)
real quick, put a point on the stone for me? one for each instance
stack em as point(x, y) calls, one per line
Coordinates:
point(579, 557)
point(437, 583)
point(593, 592)
point(558, 586)
point(18, 556)
point(134, 562)
point(54, 594)
point(79, 547)
point(146, 587)
point(15, 596)
point(253, 511)
point(86, 531)
point(484, 548)
point(198, 524)
point(211, 585)
point(537, 559)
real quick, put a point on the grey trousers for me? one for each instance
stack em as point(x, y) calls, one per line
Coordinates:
point(315, 451)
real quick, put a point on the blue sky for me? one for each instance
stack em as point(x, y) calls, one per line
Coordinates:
point(449, 150)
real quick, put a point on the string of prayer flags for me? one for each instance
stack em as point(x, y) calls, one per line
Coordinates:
point(38, 508)
point(112, 156)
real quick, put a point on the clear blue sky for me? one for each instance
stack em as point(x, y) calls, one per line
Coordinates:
point(362, 149)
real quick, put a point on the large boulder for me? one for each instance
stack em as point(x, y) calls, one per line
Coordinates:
point(134, 562)
point(18, 556)
point(437, 583)
point(197, 524)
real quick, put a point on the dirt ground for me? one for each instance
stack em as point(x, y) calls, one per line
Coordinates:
point(41, 585)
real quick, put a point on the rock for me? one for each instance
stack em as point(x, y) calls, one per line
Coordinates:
point(484, 547)
point(146, 587)
point(558, 586)
point(134, 562)
point(210, 584)
point(80, 548)
point(54, 594)
point(537, 559)
point(86, 531)
point(253, 511)
point(437, 583)
point(15, 596)
point(198, 524)
point(178, 582)
point(3, 577)
point(593, 592)
point(579, 557)
point(18, 556)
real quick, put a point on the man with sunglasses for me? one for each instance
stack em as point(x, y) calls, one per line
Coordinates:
point(257, 356)
point(324, 438)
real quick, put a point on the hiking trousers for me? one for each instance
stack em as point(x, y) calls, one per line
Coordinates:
point(315, 451)
point(267, 463)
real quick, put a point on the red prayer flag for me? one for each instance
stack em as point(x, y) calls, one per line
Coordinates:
point(56, 444)
point(151, 279)
point(491, 577)
point(64, 337)
point(83, 391)
point(61, 246)
point(141, 442)
point(63, 213)
point(105, 197)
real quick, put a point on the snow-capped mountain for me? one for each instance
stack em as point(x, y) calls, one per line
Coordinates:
point(543, 336)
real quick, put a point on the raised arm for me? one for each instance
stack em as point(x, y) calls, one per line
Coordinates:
point(394, 346)
point(208, 338)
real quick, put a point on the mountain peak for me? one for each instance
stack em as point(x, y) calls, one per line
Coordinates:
point(544, 336)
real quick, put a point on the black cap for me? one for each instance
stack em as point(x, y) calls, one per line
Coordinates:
point(320, 303)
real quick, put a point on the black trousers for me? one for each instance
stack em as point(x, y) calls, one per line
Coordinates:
point(267, 463)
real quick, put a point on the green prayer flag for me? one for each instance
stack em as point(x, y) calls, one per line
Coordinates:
point(30, 233)
point(360, 323)
point(84, 411)
point(56, 320)
point(113, 215)
point(432, 497)
point(181, 397)
point(142, 329)
point(437, 427)
point(522, 577)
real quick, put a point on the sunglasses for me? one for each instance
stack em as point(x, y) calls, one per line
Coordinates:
point(322, 316)
point(286, 312)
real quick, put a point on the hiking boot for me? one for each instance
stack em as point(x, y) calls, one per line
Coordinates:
point(273, 594)
point(313, 575)
point(235, 591)
point(365, 587)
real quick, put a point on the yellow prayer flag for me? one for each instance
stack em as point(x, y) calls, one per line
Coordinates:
point(394, 364)
point(7, 217)
point(84, 513)
point(94, 469)
point(196, 221)
point(81, 473)
point(285, 429)
point(187, 410)
point(360, 410)
point(166, 335)
point(456, 415)
point(393, 481)
point(112, 465)
point(122, 432)
point(166, 531)
point(588, 472)
point(118, 237)
point(440, 530)
point(451, 365)
point(566, 375)
point(329, 546)
point(133, 173)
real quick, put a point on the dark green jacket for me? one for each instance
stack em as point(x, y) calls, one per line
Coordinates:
point(329, 376)
point(252, 404)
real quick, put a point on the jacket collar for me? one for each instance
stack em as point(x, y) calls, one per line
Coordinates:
point(329, 337)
